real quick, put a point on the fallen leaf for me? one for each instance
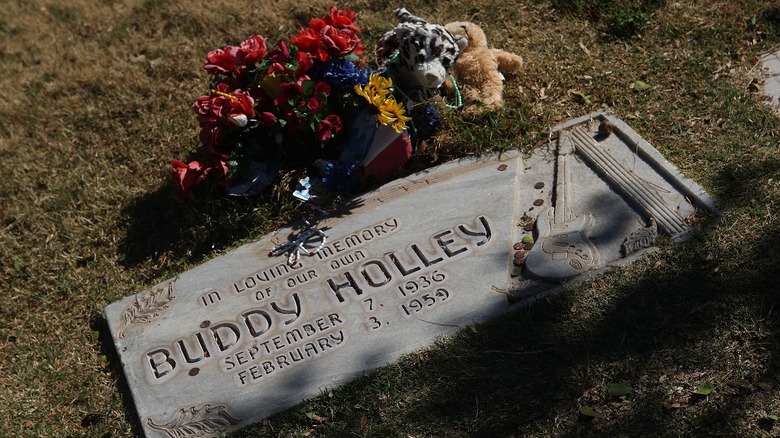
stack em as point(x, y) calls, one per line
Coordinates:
point(581, 98)
point(641, 86)
point(744, 384)
point(619, 389)
point(705, 389)
point(316, 417)
point(588, 412)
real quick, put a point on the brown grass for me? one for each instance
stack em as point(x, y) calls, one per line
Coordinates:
point(96, 101)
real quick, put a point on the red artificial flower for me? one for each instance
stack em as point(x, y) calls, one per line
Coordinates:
point(266, 118)
point(328, 127)
point(305, 63)
point(187, 176)
point(240, 108)
point(308, 41)
point(279, 57)
point(314, 105)
point(342, 18)
point(322, 88)
point(290, 90)
point(340, 42)
point(211, 134)
point(252, 50)
point(222, 61)
point(219, 166)
point(293, 121)
point(202, 108)
point(317, 24)
point(234, 108)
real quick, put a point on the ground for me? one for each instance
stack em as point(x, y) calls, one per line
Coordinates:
point(96, 102)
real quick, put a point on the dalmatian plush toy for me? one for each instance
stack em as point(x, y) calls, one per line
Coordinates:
point(418, 55)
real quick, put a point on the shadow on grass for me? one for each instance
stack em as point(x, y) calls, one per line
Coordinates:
point(164, 225)
point(99, 324)
point(616, 19)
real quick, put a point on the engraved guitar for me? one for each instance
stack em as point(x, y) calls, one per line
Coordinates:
point(562, 249)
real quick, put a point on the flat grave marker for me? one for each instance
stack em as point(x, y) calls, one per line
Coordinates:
point(246, 335)
point(771, 87)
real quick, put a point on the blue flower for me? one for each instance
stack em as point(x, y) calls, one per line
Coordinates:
point(426, 121)
point(340, 74)
point(338, 177)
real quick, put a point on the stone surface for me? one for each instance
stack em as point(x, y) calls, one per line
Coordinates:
point(245, 336)
point(605, 195)
point(771, 87)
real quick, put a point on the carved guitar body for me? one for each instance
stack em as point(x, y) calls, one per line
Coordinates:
point(562, 249)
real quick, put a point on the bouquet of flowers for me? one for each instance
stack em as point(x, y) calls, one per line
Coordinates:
point(307, 101)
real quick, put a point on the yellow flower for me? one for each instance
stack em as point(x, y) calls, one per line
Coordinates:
point(388, 112)
point(376, 89)
point(392, 113)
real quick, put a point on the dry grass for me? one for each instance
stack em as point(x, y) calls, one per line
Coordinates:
point(96, 102)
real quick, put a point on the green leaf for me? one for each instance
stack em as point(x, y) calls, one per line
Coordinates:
point(619, 389)
point(771, 417)
point(641, 86)
point(581, 97)
point(705, 389)
point(95, 336)
point(308, 88)
point(588, 412)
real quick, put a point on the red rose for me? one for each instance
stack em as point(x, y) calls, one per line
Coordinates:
point(202, 108)
point(314, 105)
point(317, 24)
point(293, 121)
point(222, 61)
point(322, 88)
point(266, 118)
point(305, 63)
point(328, 127)
point(227, 86)
point(291, 90)
point(187, 176)
point(339, 42)
point(279, 57)
point(219, 166)
point(308, 41)
point(252, 50)
point(343, 18)
point(240, 108)
point(211, 134)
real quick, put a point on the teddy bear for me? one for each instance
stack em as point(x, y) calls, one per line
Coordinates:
point(478, 70)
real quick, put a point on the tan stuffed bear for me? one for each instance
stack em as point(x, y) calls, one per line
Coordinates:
point(478, 70)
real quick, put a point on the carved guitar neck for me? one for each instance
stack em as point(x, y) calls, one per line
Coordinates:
point(563, 249)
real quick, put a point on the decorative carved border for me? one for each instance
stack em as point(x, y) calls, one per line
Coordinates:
point(196, 421)
point(147, 306)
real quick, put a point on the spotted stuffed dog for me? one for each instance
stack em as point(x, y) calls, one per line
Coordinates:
point(418, 55)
